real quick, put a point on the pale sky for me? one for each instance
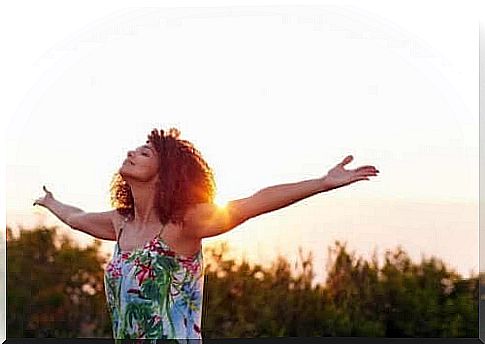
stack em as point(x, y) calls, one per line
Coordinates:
point(269, 95)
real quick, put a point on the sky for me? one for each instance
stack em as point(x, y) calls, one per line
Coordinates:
point(270, 94)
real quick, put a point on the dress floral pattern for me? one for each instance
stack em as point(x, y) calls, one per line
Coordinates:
point(154, 293)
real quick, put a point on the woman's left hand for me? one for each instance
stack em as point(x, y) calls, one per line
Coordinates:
point(338, 176)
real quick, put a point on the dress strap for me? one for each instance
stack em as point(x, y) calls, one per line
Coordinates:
point(159, 235)
point(125, 219)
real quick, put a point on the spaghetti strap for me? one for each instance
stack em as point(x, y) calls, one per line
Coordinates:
point(159, 235)
point(125, 219)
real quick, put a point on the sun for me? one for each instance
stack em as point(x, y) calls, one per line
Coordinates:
point(220, 201)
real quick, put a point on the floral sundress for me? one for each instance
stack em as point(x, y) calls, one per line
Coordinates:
point(154, 293)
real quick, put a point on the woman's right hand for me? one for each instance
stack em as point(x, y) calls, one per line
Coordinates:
point(45, 199)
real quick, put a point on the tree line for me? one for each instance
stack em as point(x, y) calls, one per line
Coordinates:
point(55, 289)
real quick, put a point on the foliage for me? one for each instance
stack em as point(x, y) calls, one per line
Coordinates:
point(55, 289)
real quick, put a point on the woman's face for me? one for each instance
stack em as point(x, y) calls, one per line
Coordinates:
point(141, 164)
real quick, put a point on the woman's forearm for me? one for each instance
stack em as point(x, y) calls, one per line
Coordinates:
point(62, 211)
point(283, 195)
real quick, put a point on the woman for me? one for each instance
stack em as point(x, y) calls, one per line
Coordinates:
point(163, 196)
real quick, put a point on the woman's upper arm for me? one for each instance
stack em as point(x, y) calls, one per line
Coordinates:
point(208, 219)
point(101, 225)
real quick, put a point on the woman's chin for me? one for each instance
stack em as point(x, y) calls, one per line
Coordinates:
point(122, 171)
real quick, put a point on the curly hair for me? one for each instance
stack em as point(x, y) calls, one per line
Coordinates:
point(185, 179)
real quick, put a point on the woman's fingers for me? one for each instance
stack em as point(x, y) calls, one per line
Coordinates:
point(39, 200)
point(366, 173)
point(47, 191)
point(346, 160)
point(365, 168)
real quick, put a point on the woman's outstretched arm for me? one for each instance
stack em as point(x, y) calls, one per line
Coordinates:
point(60, 210)
point(207, 220)
point(100, 225)
point(279, 196)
